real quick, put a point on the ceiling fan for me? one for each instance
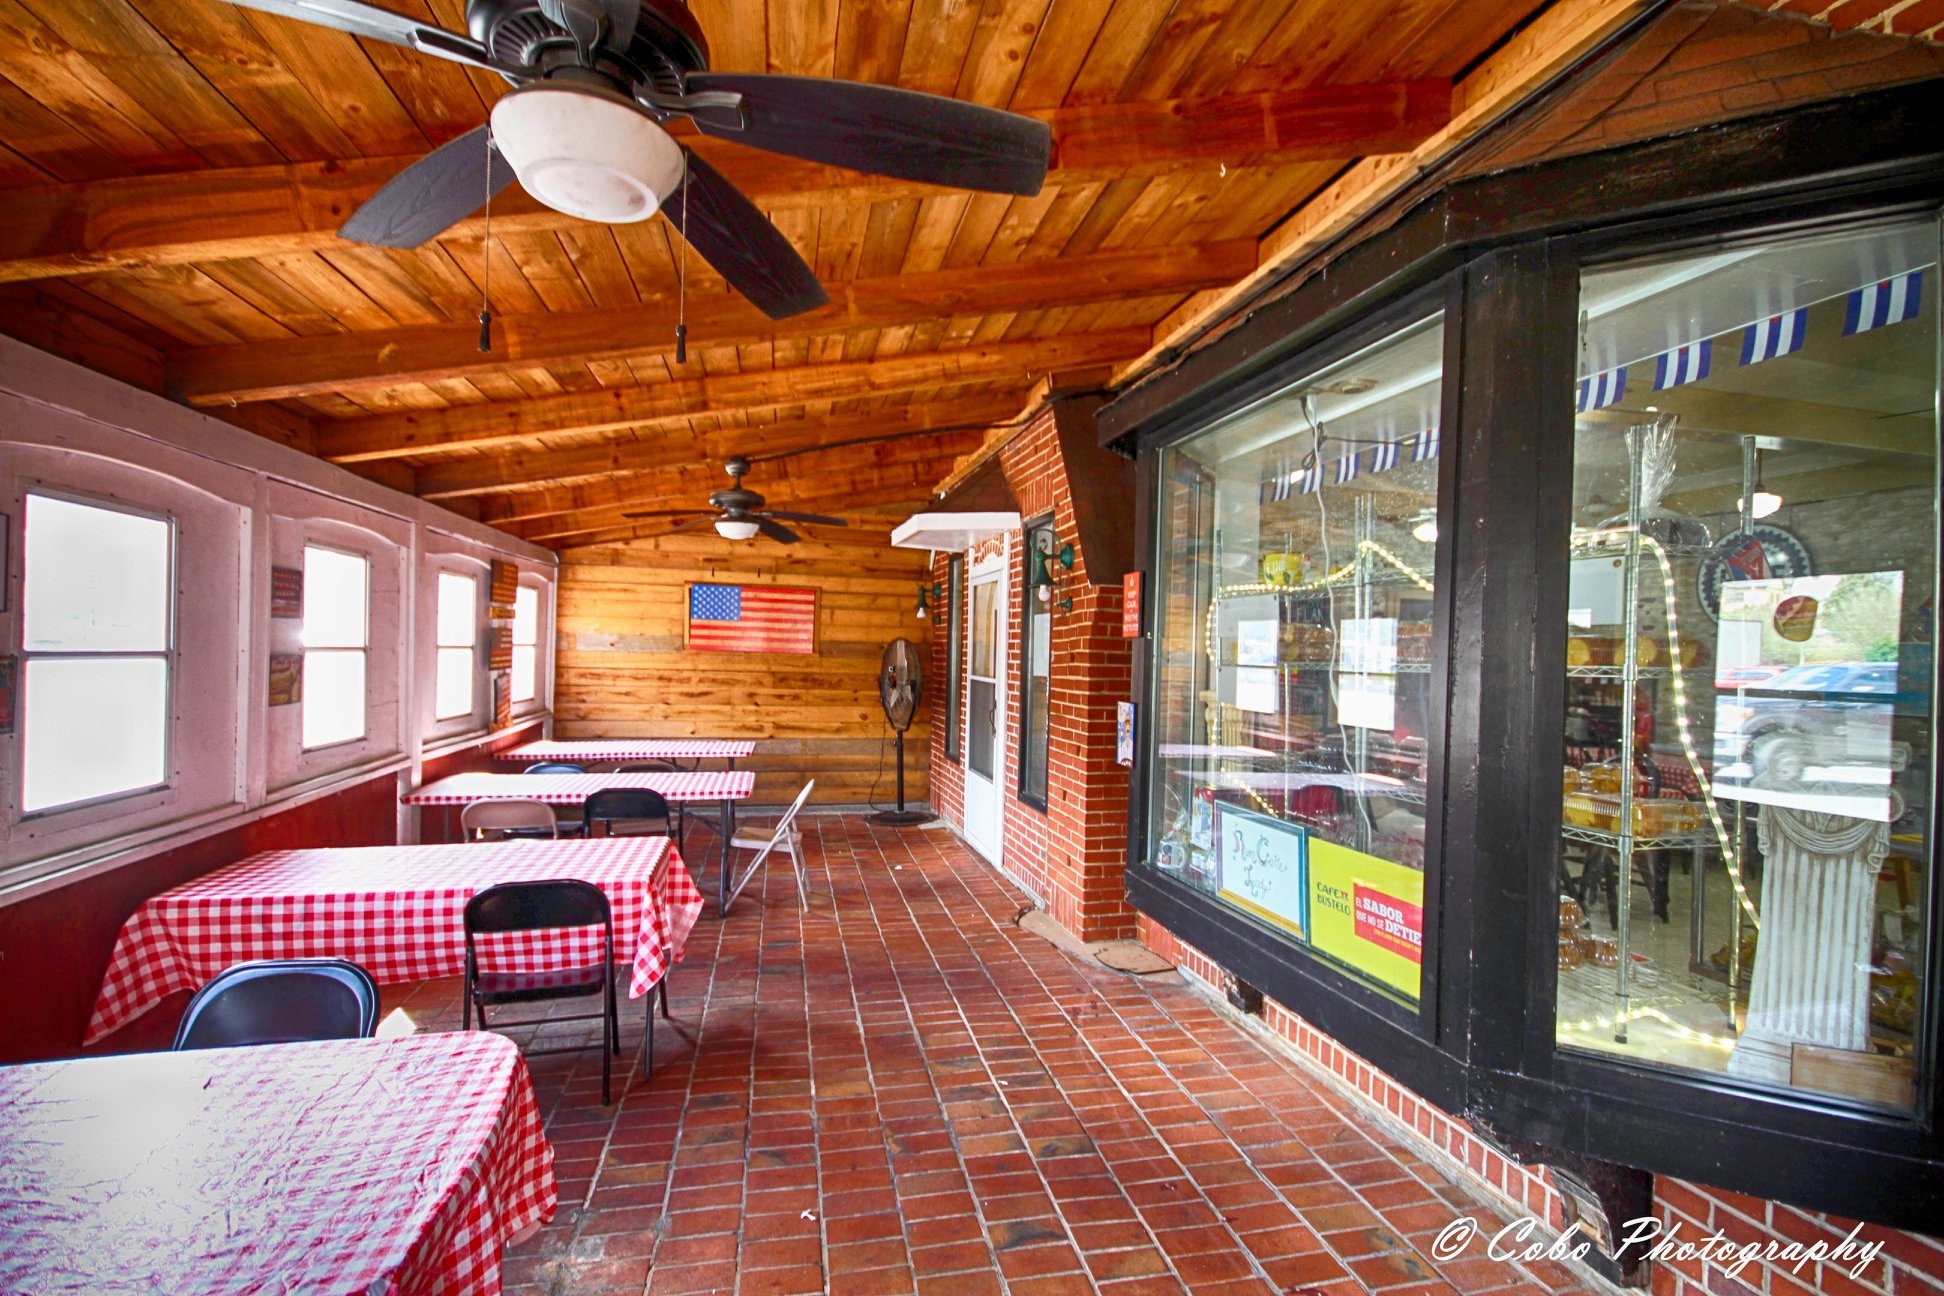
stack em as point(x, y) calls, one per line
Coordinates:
point(583, 132)
point(740, 514)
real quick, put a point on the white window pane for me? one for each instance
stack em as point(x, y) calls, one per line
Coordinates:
point(458, 610)
point(334, 599)
point(97, 580)
point(523, 672)
point(526, 615)
point(452, 691)
point(94, 727)
point(334, 697)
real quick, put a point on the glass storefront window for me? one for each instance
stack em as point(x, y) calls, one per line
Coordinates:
point(1745, 849)
point(1293, 592)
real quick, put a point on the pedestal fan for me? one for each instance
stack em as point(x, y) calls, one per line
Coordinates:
point(901, 682)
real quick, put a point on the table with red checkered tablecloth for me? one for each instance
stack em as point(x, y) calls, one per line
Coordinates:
point(396, 910)
point(724, 786)
point(394, 1166)
point(630, 749)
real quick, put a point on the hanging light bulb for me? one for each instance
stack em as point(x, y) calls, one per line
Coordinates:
point(923, 611)
point(1426, 532)
point(1762, 501)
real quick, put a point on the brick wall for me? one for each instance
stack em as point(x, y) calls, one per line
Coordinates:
point(1072, 853)
point(1909, 1264)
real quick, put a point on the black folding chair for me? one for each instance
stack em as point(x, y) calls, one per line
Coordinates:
point(663, 767)
point(541, 906)
point(627, 812)
point(281, 1001)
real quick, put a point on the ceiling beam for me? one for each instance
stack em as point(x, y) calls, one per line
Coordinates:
point(221, 214)
point(900, 484)
point(363, 361)
point(498, 474)
point(690, 482)
point(499, 423)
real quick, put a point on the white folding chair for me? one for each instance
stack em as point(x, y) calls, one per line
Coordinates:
point(498, 820)
point(765, 841)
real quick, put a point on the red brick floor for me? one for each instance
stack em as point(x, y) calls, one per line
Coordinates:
point(904, 1092)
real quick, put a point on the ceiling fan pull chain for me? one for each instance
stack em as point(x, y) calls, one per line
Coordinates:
point(486, 252)
point(681, 276)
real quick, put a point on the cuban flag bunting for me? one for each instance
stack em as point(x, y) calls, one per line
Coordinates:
point(1424, 445)
point(1778, 335)
point(1384, 457)
point(1346, 469)
point(1310, 480)
point(1891, 301)
point(1682, 365)
point(1597, 391)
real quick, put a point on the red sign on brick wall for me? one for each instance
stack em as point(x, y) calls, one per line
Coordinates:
point(1131, 605)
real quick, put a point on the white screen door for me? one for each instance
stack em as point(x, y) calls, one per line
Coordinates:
point(985, 709)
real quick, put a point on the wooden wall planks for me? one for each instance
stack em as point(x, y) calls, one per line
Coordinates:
point(622, 670)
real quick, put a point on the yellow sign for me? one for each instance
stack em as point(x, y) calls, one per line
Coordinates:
point(1368, 914)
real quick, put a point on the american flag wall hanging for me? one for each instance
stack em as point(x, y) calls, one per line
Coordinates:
point(752, 618)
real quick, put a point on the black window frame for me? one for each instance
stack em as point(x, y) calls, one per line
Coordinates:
point(954, 653)
point(1031, 557)
point(1511, 245)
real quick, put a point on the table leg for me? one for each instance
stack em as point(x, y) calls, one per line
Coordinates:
point(728, 826)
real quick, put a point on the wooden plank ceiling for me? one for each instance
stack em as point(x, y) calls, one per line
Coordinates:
point(172, 173)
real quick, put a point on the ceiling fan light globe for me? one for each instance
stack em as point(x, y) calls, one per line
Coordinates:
point(735, 528)
point(586, 154)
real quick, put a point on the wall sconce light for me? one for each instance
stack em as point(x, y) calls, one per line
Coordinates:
point(928, 597)
point(1044, 580)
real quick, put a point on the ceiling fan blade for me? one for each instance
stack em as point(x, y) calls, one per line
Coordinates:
point(816, 519)
point(739, 241)
point(374, 23)
point(776, 531)
point(695, 524)
point(881, 130)
point(430, 196)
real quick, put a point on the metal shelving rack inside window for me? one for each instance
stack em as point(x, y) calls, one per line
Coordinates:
point(1370, 569)
point(1625, 840)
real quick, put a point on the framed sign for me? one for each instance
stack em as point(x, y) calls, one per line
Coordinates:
point(504, 583)
point(286, 679)
point(500, 656)
point(286, 593)
point(1262, 867)
point(1124, 733)
point(502, 700)
point(1131, 605)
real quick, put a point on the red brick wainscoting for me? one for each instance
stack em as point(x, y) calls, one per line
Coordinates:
point(1909, 1264)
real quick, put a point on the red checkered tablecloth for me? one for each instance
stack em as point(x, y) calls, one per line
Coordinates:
point(392, 1166)
point(629, 749)
point(399, 911)
point(572, 789)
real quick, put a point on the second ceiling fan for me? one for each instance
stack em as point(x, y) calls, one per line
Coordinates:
point(739, 513)
point(583, 131)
